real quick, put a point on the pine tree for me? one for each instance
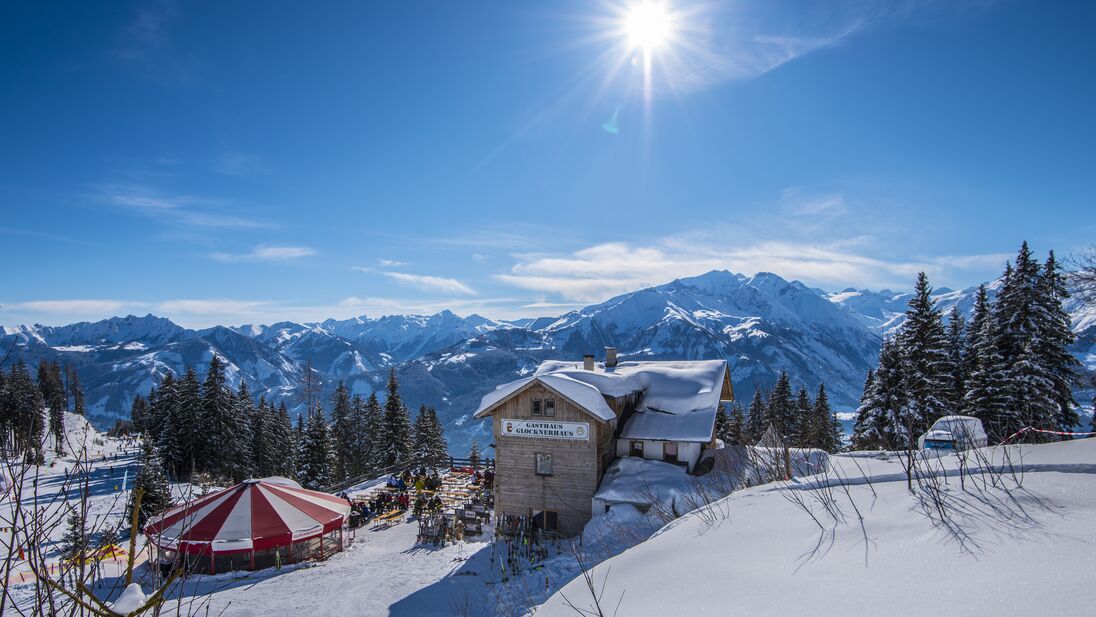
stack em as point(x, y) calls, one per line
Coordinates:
point(138, 414)
point(474, 455)
point(378, 446)
point(260, 444)
point(880, 422)
point(957, 362)
point(5, 413)
point(397, 425)
point(826, 429)
point(722, 422)
point(1020, 323)
point(155, 490)
point(804, 421)
point(420, 432)
point(216, 452)
point(359, 419)
point(429, 440)
point(923, 346)
point(26, 414)
point(315, 468)
point(298, 443)
point(984, 397)
point(74, 544)
point(755, 422)
point(241, 466)
point(780, 411)
point(437, 448)
point(344, 432)
point(283, 443)
point(53, 393)
point(736, 426)
point(864, 435)
point(77, 393)
point(187, 432)
point(1055, 337)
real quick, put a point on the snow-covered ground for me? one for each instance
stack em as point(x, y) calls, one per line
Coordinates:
point(992, 542)
point(1025, 547)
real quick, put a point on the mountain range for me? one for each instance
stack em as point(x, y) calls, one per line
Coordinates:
point(761, 324)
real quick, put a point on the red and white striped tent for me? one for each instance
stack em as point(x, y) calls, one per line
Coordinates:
point(253, 518)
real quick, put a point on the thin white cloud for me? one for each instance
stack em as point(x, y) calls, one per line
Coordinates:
point(267, 253)
point(185, 209)
point(437, 284)
point(232, 163)
point(797, 202)
point(71, 306)
point(599, 272)
point(216, 306)
point(392, 263)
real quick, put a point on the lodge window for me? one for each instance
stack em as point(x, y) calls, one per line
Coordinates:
point(669, 452)
point(544, 407)
point(548, 520)
point(636, 449)
point(544, 464)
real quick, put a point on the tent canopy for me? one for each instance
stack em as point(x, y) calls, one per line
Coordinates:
point(253, 515)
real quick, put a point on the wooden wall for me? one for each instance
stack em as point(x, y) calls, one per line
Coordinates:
point(577, 465)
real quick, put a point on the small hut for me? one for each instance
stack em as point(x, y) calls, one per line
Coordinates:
point(254, 525)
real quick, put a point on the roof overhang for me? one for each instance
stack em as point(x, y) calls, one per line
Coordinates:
point(515, 388)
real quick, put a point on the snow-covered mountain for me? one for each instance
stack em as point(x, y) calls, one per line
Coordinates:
point(762, 324)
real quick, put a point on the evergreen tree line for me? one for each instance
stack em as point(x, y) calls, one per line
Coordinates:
point(31, 406)
point(803, 422)
point(365, 437)
point(1010, 367)
point(202, 426)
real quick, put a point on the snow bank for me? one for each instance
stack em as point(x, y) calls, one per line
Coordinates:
point(132, 598)
point(1019, 553)
point(641, 483)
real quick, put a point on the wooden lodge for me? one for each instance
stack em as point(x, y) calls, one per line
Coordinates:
point(557, 431)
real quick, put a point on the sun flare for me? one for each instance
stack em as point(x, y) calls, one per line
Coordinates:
point(648, 25)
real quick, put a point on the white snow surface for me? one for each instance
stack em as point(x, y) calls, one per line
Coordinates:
point(132, 598)
point(1024, 552)
point(640, 482)
point(583, 394)
point(696, 426)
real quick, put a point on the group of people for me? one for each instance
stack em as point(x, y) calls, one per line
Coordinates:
point(427, 502)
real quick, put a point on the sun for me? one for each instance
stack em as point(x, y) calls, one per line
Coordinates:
point(648, 25)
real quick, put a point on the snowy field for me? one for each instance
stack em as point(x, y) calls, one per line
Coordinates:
point(1010, 534)
point(1025, 547)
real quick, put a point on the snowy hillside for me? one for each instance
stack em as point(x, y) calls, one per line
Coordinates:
point(876, 549)
point(761, 324)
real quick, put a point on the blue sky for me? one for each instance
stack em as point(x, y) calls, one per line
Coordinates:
point(251, 162)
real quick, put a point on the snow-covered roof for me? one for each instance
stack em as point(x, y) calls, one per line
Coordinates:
point(678, 398)
point(692, 426)
point(950, 427)
point(640, 481)
point(580, 393)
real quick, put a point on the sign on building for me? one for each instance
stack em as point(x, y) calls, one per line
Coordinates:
point(542, 429)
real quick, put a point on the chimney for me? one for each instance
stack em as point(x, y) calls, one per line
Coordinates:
point(588, 361)
point(610, 357)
